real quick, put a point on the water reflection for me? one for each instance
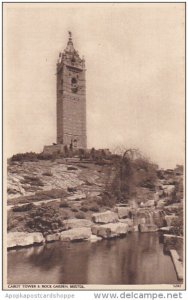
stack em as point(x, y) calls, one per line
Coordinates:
point(135, 259)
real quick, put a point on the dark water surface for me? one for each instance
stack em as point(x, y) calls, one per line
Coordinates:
point(135, 259)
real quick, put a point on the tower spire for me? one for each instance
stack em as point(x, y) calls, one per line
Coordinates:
point(70, 35)
point(70, 46)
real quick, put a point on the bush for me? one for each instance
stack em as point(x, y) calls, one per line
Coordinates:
point(132, 171)
point(36, 181)
point(177, 228)
point(45, 219)
point(23, 208)
point(28, 156)
point(80, 215)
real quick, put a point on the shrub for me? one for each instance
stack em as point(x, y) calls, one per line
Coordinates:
point(43, 218)
point(80, 215)
point(22, 208)
point(36, 181)
point(28, 156)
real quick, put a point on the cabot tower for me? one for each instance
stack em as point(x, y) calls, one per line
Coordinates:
point(71, 98)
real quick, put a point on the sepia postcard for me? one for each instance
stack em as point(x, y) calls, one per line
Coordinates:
point(94, 146)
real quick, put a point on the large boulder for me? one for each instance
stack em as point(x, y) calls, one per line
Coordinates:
point(22, 239)
point(147, 228)
point(76, 234)
point(53, 237)
point(110, 230)
point(76, 223)
point(123, 212)
point(105, 217)
point(171, 220)
point(129, 222)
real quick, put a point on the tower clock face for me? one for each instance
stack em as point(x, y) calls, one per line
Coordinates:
point(74, 85)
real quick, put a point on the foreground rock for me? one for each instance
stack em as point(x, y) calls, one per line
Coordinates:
point(129, 222)
point(76, 223)
point(53, 237)
point(105, 217)
point(178, 265)
point(23, 239)
point(147, 228)
point(110, 230)
point(76, 234)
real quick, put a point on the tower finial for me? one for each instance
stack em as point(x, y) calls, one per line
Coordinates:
point(70, 34)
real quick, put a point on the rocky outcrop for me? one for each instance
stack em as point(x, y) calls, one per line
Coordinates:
point(23, 239)
point(76, 234)
point(76, 223)
point(77, 197)
point(123, 212)
point(147, 228)
point(105, 217)
point(110, 230)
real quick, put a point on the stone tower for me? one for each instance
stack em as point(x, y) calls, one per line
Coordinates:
point(71, 98)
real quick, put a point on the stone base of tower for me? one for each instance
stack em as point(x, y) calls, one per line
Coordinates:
point(59, 148)
point(54, 149)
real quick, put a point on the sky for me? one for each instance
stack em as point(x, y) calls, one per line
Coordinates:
point(134, 56)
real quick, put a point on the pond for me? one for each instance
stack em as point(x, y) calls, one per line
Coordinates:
point(137, 258)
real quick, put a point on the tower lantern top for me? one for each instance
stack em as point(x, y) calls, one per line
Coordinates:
point(70, 46)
